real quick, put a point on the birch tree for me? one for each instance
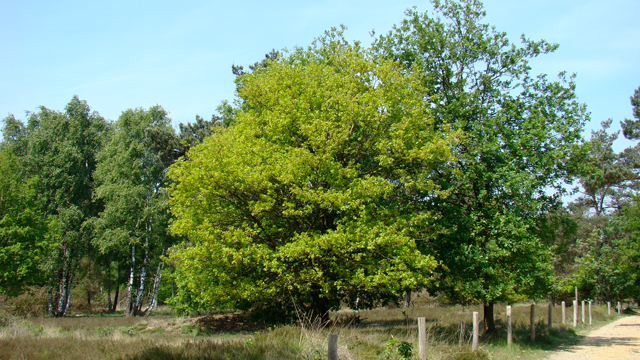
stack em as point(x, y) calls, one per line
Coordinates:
point(57, 152)
point(131, 177)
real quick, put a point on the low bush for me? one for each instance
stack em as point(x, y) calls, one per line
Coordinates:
point(32, 302)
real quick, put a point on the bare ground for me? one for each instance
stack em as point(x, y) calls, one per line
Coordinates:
point(619, 340)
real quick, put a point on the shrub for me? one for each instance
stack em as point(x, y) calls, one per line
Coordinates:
point(128, 330)
point(105, 330)
point(32, 302)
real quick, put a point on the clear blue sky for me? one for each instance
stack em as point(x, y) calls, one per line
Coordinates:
point(124, 54)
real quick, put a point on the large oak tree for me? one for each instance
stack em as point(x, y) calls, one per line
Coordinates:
point(520, 131)
point(314, 196)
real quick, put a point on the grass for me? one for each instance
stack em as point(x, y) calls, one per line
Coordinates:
point(384, 333)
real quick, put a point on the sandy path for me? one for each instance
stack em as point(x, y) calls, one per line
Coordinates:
point(619, 340)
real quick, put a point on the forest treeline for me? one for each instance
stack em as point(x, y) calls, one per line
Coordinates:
point(340, 174)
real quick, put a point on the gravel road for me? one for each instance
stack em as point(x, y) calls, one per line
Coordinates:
point(619, 340)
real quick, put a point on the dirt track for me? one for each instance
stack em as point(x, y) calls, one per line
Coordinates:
point(619, 340)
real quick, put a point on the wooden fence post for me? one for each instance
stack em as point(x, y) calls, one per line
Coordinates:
point(332, 353)
point(461, 334)
point(583, 312)
point(619, 308)
point(590, 315)
point(533, 322)
point(564, 314)
point(509, 327)
point(550, 321)
point(575, 313)
point(476, 332)
point(422, 338)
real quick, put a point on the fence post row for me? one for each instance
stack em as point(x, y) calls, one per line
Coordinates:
point(422, 338)
point(332, 353)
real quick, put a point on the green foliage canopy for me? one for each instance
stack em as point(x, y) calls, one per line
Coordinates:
point(520, 131)
point(631, 128)
point(130, 176)
point(132, 185)
point(314, 195)
point(23, 240)
point(55, 156)
point(606, 246)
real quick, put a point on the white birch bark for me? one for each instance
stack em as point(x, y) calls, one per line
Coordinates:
point(50, 298)
point(129, 309)
point(67, 300)
point(156, 285)
point(143, 274)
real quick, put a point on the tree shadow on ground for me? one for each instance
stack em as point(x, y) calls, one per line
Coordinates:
point(233, 323)
point(215, 350)
point(629, 311)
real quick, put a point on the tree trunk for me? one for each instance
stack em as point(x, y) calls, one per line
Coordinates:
point(129, 307)
point(143, 274)
point(50, 302)
point(115, 297)
point(61, 294)
point(488, 317)
point(59, 303)
point(319, 309)
point(89, 300)
point(156, 285)
point(172, 283)
point(67, 300)
point(407, 299)
point(114, 306)
point(109, 296)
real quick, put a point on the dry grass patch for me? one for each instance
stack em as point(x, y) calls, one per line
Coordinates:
point(385, 333)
